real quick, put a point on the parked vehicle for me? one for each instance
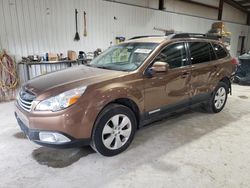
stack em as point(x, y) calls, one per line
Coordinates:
point(127, 86)
point(242, 75)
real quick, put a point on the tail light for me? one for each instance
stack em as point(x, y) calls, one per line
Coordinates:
point(235, 61)
point(235, 64)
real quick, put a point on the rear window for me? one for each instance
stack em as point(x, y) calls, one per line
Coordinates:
point(201, 52)
point(219, 51)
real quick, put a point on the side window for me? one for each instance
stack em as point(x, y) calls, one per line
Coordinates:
point(220, 51)
point(201, 52)
point(174, 55)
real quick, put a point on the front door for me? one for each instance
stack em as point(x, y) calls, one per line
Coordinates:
point(169, 89)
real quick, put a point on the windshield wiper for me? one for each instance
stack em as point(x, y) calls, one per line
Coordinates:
point(108, 68)
point(103, 67)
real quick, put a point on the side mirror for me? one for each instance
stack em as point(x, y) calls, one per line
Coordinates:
point(158, 66)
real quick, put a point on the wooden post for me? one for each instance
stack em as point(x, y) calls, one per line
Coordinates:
point(248, 19)
point(220, 11)
point(161, 4)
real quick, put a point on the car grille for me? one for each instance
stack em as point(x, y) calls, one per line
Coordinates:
point(25, 99)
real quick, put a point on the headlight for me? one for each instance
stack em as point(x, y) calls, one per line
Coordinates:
point(61, 101)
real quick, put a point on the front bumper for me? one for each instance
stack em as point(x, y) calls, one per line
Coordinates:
point(33, 135)
point(73, 121)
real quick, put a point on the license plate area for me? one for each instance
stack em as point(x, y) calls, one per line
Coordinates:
point(22, 118)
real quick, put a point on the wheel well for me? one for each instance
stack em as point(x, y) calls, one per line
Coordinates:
point(227, 81)
point(130, 104)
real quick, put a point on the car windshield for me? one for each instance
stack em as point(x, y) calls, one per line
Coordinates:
point(124, 57)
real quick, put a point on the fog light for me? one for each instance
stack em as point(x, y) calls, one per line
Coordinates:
point(51, 137)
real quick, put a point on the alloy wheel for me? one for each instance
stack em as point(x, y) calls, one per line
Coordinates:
point(116, 131)
point(220, 98)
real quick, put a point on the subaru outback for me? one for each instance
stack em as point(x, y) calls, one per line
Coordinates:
point(129, 85)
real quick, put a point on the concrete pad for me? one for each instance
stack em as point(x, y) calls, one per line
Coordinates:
point(189, 149)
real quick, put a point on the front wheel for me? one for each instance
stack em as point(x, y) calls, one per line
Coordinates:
point(114, 130)
point(218, 99)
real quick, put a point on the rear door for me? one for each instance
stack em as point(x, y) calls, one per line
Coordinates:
point(204, 69)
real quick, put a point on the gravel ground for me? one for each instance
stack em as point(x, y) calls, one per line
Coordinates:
point(190, 149)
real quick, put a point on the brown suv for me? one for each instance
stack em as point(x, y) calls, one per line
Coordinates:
point(102, 104)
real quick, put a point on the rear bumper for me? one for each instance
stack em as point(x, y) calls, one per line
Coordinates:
point(242, 80)
point(33, 135)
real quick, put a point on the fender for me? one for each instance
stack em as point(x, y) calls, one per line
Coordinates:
point(224, 75)
point(109, 93)
point(114, 91)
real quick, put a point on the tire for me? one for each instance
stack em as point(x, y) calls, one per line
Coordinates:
point(218, 99)
point(114, 130)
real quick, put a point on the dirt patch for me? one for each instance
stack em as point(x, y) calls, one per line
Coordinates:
point(243, 97)
point(20, 135)
point(59, 158)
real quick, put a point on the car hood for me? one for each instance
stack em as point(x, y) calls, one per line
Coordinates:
point(70, 78)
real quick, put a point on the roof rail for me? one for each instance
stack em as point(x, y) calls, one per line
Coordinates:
point(195, 35)
point(182, 35)
point(145, 36)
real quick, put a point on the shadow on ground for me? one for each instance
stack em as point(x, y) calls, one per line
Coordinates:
point(243, 97)
point(59, 158)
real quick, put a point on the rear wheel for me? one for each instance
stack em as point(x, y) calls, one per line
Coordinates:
point(218, 99)
point(114, 130)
